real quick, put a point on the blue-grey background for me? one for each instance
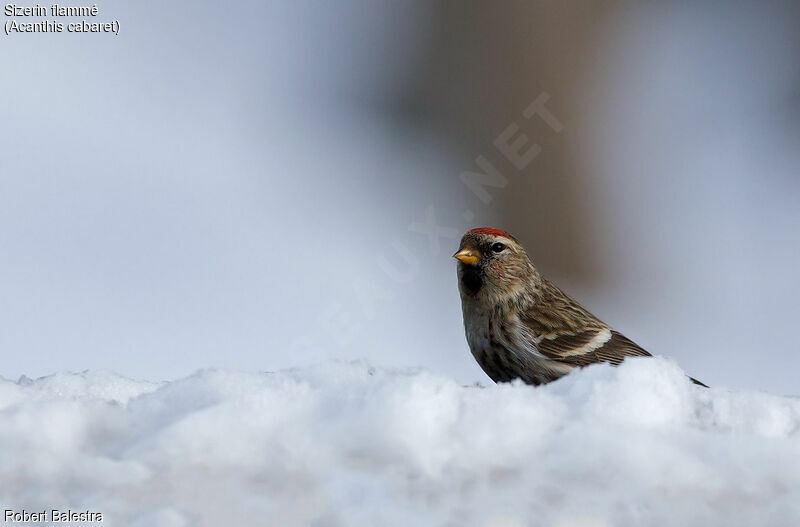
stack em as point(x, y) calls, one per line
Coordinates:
point(245, 186)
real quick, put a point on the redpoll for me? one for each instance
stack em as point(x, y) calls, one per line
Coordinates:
point(518, 324)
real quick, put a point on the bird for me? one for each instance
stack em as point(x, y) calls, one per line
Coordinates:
point(518, 324)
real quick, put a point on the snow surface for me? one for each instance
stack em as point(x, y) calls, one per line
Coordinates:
point(345, 444)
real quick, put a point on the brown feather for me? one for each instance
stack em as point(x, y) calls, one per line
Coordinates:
point(613, 351)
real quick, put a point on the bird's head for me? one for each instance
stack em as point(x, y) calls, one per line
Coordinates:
point(492, 264)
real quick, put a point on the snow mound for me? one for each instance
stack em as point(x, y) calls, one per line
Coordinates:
point(347, 444)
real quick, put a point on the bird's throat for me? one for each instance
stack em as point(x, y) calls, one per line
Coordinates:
point(471, 279)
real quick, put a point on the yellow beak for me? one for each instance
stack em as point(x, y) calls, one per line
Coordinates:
point(466, 256)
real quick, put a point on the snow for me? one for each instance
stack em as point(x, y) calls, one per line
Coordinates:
point(344, 444)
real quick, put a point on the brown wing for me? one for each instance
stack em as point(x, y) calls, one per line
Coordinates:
point(566, 332)
point(582, 349)
point(590, 346)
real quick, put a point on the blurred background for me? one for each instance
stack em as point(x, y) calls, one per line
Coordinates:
point(275, 184)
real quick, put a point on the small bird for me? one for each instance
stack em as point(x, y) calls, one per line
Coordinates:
point(521, 326)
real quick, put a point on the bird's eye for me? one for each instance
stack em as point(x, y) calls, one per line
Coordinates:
point(498, 247)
